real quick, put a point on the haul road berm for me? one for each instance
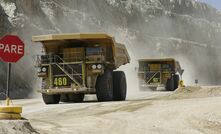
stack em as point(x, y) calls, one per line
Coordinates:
point(81, 63)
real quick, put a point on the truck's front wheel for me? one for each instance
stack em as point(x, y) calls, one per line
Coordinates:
point(104, 86)
point(51, 99)
point(120, 86)
point(176, 79)
point(170, 84)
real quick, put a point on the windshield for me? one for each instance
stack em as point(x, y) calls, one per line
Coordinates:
point(93, 51)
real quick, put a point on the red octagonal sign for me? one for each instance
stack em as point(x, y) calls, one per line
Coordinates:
point(11, 48)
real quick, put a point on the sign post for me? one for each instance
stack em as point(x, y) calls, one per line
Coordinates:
point(11, 50)
point(8, 84)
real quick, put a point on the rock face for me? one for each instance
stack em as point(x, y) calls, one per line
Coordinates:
point(185, 29)
point(16, 127)
point(5, 25)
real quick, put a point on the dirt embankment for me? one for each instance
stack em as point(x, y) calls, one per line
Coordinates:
point(194, 92)
point(16, 127)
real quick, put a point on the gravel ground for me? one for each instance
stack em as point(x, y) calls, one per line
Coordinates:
point(194, 110)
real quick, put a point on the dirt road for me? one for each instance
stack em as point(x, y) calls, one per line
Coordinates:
point(135, 116)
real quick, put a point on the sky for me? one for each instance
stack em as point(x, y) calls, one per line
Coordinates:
point(214, 3)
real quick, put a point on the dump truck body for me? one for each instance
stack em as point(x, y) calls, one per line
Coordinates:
point(157, 72)
point(72, 62)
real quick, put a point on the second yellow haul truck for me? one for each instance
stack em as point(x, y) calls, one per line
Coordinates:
point(77, 64)
point(162, 72)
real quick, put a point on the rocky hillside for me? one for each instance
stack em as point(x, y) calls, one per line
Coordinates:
point(184, 29)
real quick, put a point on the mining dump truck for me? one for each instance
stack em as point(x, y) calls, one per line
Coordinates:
point(153, 73)
point(77, 64)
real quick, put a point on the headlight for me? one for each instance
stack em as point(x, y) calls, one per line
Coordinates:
point(38, 69)
point(44, 69)
point(99, 66)
point(94, 66)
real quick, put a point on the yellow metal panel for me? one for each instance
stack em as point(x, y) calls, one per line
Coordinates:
point(83, 74)
point(73, 54)
point(155, 67)
point(11, 109)
point(121, 55)
point(54, 42)
point(70, 36)
point(160, 59)
point(9, 116)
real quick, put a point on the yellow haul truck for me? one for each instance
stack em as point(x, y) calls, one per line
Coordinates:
point(155, 73)
point(77, 64)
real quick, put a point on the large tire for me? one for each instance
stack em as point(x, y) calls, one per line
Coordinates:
point(170, 84)
point(51, 99)
point(104, 86)
point(64, 98)
point(176, 80)
point(75, 97)
point(120, 86)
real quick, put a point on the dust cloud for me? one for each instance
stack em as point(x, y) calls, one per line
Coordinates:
point(159, 37)
point(158, 29)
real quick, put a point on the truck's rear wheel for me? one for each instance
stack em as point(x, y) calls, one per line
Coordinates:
point(170, 84)
point(75, 97)
point(120, 86)
point(176, 80)
point(104, 86)
point(51, 99)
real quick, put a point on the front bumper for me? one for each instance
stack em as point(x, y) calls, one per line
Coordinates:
point(152, 85)
point(64, 90)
